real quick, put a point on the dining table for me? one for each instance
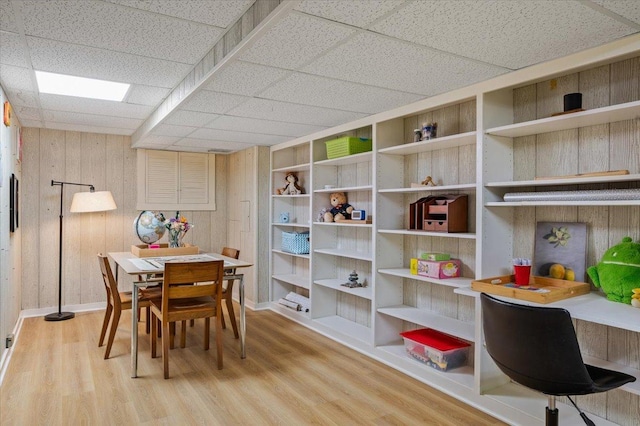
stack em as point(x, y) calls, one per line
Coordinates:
point(150, 267)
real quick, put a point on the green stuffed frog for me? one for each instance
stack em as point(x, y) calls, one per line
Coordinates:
point(618, 273)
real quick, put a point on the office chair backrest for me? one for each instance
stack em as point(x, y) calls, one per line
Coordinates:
point(535, 346)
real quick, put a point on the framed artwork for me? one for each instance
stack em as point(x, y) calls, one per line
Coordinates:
point(14, 197)
point(564, 244)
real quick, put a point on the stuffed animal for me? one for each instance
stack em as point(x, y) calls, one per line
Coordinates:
point(291, 188)
point(340, 208)
point(618, 273)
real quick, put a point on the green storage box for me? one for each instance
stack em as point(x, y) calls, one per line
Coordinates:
point(347, 145)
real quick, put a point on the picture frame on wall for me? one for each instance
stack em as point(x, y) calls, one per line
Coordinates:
point(564, 244)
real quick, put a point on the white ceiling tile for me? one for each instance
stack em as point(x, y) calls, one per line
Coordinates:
point(95, 106)
point(244, 78)
point(121, 29)
point(206, 144)
point(7, 17)
point(220, 13)
point(213, 102)
point(190, 118)
point(171, 130)
point(242, 137)
point(629, 9)
point(17, 78)
point(329, 93)
point(294, 41)
point(254, 125)
point(359, 13)
point(90, 119)
point(380, 61)
point(146, 95)
point(53, 56)
point(89, 128)
point(482, 27)
point(12, 50)
point(23, 98)
point(282, 111)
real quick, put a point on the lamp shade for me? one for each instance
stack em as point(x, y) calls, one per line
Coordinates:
point(86, 202)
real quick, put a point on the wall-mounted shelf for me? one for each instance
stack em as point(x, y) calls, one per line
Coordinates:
point(349, 159)
point(294, 168)
point(336, 284)
point(360, 224)
point(609, 114)
point(346, 189)
point(425, 318)
point(566, 181)
point(304, 256)
point(463, 235)
point(291, 225)
point(404, 273)
point(296, 280)
point(443, 188)
point(562, 203)
point(345, 253)
point(444, 142)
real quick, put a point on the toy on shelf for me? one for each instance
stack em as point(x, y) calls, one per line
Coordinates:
point(353, 281)
point(291, 187)
point(428, 181)
point(618, 273)
point(340, 209)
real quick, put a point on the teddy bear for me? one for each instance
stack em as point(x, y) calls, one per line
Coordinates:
point(292, 187)
point(340, 208)
point(618, 273)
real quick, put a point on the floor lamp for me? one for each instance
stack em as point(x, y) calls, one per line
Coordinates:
point(83, 202)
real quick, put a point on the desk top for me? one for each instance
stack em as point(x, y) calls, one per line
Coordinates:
point(134, 265)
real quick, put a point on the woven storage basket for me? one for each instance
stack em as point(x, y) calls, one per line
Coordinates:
point(347, 145)
point(295, 242)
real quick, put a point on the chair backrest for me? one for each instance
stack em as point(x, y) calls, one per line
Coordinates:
point(110, 284)
point(231, 252)
point(184, 280)
point(535, 346)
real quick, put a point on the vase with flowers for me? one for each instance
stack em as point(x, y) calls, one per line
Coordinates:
point(177, 226)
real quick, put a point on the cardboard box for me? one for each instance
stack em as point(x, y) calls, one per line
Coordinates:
point(436, 349)
point(439, 269)
point(143, 250)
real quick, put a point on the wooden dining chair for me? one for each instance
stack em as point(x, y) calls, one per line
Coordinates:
point(118, 301)
point(227, 292)
point(190, 290)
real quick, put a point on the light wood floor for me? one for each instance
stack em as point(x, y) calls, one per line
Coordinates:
point(291, 376)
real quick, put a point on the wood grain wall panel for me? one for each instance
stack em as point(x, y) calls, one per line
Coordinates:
point(115, 220)
point(524, 103)
point(625, 81)
point(550, 94)
point(597, 235)
point(625, 145)
point(52, 164)
point(262, 221)
point(30, 217)
point(594, 86)
point(593, 149)
point(74, 231)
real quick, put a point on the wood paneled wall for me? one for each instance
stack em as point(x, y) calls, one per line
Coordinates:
point(107, 162)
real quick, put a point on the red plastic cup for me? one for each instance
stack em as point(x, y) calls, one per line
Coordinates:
point(522, 273)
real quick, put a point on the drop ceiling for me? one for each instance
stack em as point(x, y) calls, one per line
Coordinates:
point(307, 66)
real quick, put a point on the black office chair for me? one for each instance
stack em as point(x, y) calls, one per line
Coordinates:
point(538, 348)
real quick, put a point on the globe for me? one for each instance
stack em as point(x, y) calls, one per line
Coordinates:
point(148, 227)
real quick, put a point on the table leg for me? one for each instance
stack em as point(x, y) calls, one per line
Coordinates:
point(243, 325)
point(134, 330)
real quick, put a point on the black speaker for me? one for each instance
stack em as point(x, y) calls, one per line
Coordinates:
point(572, 101)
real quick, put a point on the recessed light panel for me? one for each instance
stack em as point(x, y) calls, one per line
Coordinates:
point(68, 85)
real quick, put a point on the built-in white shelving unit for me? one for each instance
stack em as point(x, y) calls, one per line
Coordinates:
point(495, 137)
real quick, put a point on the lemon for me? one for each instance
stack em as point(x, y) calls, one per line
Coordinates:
point(556, 271)
point(569, 274)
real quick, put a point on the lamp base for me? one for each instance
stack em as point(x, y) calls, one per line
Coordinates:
point(59, 316)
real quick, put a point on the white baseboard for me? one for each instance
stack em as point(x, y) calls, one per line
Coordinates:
point(85, 307)
point(6, 356)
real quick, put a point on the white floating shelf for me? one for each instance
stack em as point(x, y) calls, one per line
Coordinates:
point(562, 203)
point(297, 280)
point(291, 196)
point(404, 273)
point(336, 284)
point(292, 225)
point(361, 224)
point(344, 253)
point(290, 313)
point(294, 168)
point(462, 375)
point(349, 328)
point(348, 159)
point(444, 142)
point(592, 117)
point(565, 181)
point(346, 189)
point(423, 317)
point(304, 256)
point(430, 188)
point(463, 235)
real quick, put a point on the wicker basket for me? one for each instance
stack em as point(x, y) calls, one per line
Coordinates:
point(295, 242)
point(347, 145)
